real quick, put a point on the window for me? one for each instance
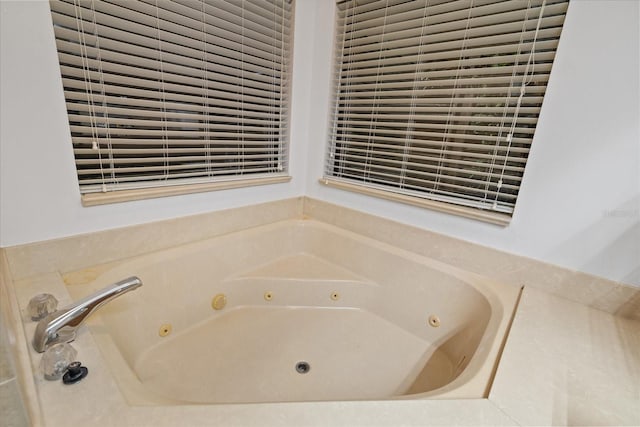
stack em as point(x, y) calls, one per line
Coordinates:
point(169, 97)
point(436, 102)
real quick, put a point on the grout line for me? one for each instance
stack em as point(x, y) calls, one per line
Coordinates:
point(506, 414)
point(503, 345)
point(7, 381)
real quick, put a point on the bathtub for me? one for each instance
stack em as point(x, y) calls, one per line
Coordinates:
point(298, 310)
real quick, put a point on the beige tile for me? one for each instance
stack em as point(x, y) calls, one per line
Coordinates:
point(564, 363)
point(15, 362)
point(623, 301)
point(567, 364)
point(575, 286)
point(13, 412)
point(77, 252)
point(580, 287)
point(7, 371)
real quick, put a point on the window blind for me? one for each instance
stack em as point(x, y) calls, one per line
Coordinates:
point(173, 93)
point(436, 102)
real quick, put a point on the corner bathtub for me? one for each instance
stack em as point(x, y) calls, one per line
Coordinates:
point(299, 311)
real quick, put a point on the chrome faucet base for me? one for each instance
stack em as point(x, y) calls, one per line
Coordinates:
point(61, 325)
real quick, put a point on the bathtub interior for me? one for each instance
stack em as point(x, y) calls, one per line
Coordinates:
point(357, 311)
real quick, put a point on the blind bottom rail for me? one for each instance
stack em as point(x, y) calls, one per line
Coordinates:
point(117, 196)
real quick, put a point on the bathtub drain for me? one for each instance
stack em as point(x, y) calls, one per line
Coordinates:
point(302, 367)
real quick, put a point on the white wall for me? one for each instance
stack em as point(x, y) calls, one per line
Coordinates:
point(579, 205)
point(39, 196)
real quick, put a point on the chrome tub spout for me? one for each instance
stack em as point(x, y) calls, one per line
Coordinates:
point(61, 325)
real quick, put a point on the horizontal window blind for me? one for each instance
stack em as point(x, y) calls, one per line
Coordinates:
point(438, 100)
point(165, 93)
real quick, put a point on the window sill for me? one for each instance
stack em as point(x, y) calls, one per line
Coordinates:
point(467, 212)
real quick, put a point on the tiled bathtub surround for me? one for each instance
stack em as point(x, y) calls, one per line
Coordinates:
point(563, 363)
point(12, 409)
point(76, 252)
point(596, 292)
point(18, 398)
point(567, 364)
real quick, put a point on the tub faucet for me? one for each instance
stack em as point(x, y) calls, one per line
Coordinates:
point(61, 325)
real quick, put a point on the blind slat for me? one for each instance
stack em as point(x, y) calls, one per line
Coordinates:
point(179, 115)
point(451, 50)
point(475, 101)
point(433, 118)
point(124, 152)
point(232, 100)
point(80, 101)
point(383, 134)
point(182, 125)
point(229, 142)
point(392, 72)
point(181, 162)
point(467, 62)
point(416, 123)
point(456, 151)
point(408, 81)
point(169, 133)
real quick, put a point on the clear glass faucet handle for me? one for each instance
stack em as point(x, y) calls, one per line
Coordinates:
point(42, 305)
